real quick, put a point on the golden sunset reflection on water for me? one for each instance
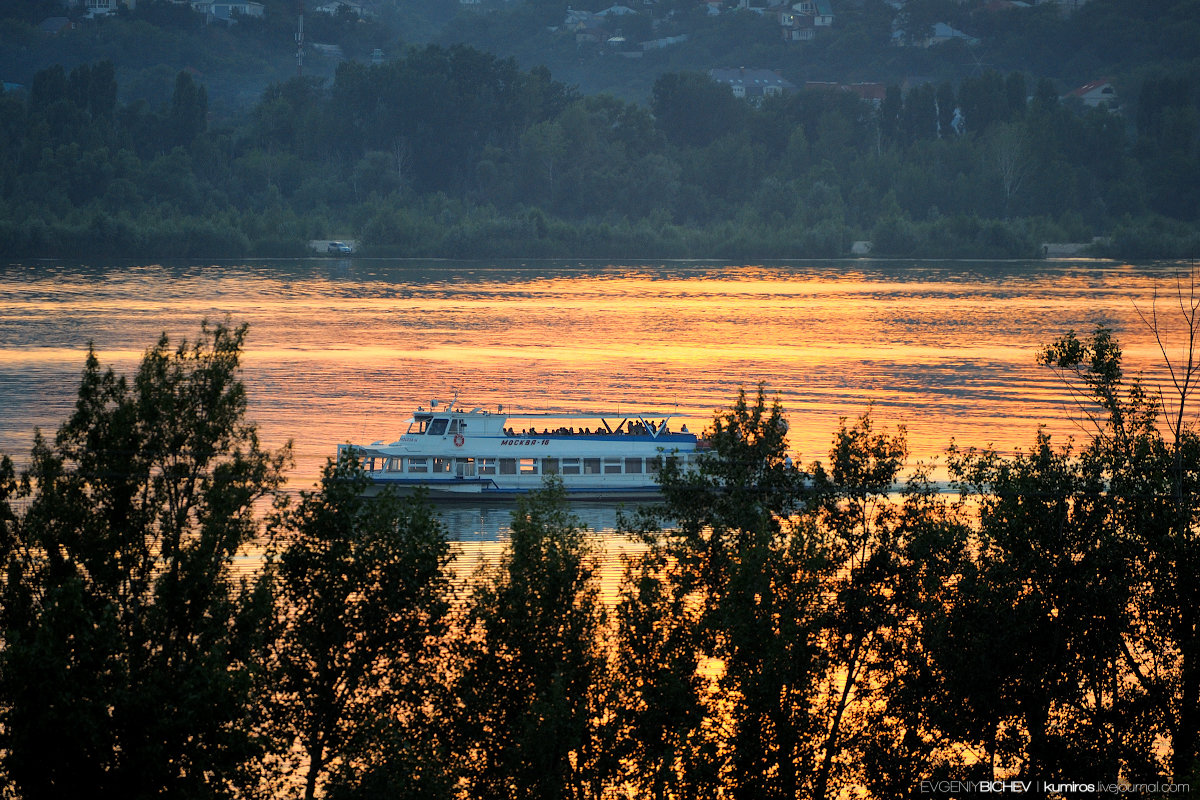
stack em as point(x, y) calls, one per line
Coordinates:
point(344, 350)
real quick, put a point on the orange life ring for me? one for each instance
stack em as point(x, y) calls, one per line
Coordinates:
point(459, 440)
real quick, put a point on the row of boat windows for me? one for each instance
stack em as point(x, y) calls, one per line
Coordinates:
point(524, 466)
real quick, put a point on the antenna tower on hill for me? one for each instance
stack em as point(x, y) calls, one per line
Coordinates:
point(300, 38)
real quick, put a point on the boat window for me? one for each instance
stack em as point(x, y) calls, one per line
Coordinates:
point(549, 466)
point(591, 466)
point(570, 466)
point(487, 466)
point(508, 466)
point(653, 465)
point(633, 465)
point(392, 465)
point(453, 426)
point(612, 466)
point(438, 426)
point(529, 466)
point(443, 464)
point(416, 427)
point(418, 465)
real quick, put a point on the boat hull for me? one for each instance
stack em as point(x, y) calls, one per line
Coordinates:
point(476, 490)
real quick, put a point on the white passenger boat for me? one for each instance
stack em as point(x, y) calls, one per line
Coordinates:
point(477, 454)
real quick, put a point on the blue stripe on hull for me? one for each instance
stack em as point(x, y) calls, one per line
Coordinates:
point(487, 489)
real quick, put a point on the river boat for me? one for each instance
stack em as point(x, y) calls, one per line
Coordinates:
point(479, 454)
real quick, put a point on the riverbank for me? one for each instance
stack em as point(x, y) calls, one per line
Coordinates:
point(484, 232)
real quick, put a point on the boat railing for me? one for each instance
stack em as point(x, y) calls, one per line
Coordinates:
point(571, 432)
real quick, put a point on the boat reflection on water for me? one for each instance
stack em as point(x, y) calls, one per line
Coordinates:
point(480, 533)
point(492, 522)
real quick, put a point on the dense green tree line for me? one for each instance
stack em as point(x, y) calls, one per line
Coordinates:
point(454, 152)
point(784, 633)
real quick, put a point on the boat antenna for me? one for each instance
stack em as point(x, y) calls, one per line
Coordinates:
point(300, 38)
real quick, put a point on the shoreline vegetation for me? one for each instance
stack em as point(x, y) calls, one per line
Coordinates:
point(786, 633)
point(485, 233)
point(454, 153)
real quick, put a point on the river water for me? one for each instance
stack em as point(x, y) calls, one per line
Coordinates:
point(343, 350)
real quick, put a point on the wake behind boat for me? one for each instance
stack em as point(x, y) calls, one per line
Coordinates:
point(478, 454)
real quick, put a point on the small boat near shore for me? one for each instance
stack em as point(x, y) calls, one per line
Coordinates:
point(479, 454)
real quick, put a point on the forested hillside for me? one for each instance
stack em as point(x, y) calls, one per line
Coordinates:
point(449, 150)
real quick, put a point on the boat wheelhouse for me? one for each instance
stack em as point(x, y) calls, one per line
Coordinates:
point(477, 454)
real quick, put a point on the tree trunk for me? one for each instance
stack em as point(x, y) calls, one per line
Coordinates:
point(832, 743)
point(316, 759)
point(1183, 756)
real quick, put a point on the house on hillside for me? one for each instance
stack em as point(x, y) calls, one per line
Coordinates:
point(823, 18)
point(1094, 93)
point(793, 25)
point(578, 19)
point(799, 22)
point(93, 8)
point(873, 93)
point(753, 84)
point(940, 34)
point(335, 7)
point(943, 33)
point(666, 41)
point(330, 51)
point(994, 6)
point(228, 10)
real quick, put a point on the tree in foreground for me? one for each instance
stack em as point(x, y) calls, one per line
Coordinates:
point(1050, 624)
point(361, 589)
point(130, 647)
point(1029, 648)
point(532, 663)
point(862, 541)
point(1146, 450)
point(658, 691)
point(728, 597)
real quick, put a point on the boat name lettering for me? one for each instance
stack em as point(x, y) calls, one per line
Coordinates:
point(520, 442)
